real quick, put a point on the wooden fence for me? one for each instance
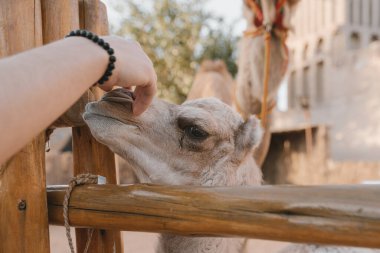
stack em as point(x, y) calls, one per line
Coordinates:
point(25, 24)
point(347, 215)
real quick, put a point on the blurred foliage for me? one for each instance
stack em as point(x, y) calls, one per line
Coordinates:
point(177, 35)
point(220, 44)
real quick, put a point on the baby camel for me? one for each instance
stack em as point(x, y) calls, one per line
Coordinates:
point(201, 142)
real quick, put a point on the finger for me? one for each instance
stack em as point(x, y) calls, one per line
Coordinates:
point(105, 87)
point(144, 96)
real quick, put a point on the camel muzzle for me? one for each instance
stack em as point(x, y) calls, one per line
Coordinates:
point(120, 95)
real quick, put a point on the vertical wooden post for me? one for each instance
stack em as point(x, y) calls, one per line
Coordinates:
point(23, 205)
point(59, 18)
point(89, 155)
point(92, 157)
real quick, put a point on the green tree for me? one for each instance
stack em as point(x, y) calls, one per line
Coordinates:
point(220, 44)
point(177, 35)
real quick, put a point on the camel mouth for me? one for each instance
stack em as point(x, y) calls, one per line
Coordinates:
point(121, 113)
point(120, 95)
point(89, 116)
point(92, 115)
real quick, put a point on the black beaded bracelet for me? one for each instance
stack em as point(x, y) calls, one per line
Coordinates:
point(95, 38)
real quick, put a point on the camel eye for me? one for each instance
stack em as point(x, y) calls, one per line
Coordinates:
point(196, 133)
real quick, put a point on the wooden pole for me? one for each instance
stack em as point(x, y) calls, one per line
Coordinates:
point(59, 18)
point(23, 205)
point(89, 155)
point(339, 215)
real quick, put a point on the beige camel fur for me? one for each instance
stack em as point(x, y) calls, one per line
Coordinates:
point(213, 80)
point(201, 142)
point(249, 90)
point(304, 248)
point(249, 85)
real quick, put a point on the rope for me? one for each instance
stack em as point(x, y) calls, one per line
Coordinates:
point(80, 179)
point(267, 30)
point(255, 9)
point(279, 5)
point(264, 110)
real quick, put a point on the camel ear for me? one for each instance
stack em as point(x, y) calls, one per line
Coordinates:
point(249, 135)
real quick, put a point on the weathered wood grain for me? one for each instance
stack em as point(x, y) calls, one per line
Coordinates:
point(23, 206)
point(59, 18)
point(339, 215)
point(93, 16)
point(89, 155)
point(92, 157)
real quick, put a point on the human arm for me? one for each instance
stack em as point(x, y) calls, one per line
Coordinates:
point(39, 85)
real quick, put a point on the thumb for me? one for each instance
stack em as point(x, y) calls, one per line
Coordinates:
point(143, 98)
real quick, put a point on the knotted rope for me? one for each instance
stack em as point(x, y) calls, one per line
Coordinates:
point(80, 179)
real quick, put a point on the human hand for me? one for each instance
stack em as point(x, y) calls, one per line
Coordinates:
point(132, 68)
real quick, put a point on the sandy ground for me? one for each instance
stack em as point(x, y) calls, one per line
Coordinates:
point(137, 242)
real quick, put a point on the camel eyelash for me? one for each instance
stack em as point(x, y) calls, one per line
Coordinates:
point(196, 133)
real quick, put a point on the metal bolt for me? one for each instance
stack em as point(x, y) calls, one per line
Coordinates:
point(22, 205)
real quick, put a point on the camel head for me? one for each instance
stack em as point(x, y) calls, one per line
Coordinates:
point(249, 88)
point(201, 142)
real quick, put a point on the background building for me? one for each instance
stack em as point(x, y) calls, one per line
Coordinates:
point(335, 66)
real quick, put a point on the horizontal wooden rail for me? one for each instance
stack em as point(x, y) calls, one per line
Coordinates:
point(340, 215)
